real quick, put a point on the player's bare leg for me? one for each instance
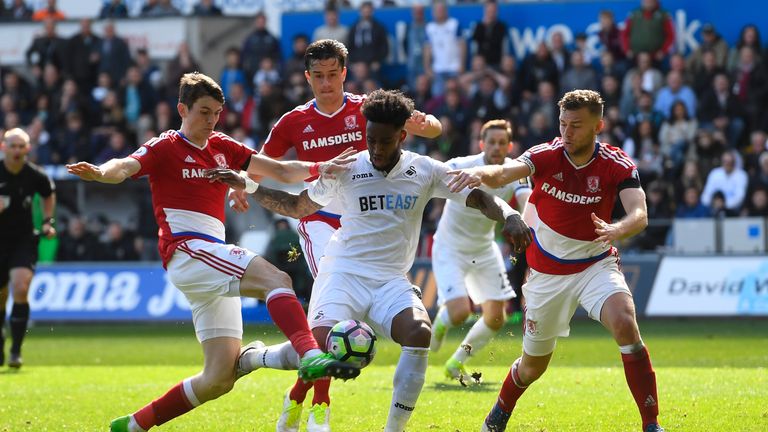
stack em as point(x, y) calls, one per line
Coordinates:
point(411, 329)
point(451, 314)
point(21, 277)
point(618, 316)
point(524, 371)
point(477, 338)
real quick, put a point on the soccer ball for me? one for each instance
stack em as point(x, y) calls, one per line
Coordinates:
point(352, 341)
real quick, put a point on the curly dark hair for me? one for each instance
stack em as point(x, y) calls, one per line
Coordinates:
point(196, 85)
point(325, 49)
point(387, 107)
point(577, 99)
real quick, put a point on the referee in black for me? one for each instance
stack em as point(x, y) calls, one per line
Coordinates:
point(19, 181)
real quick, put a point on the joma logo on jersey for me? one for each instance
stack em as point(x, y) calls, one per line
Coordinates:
point(193, 173)
point(387, 202)
point(362, 176)
point(333, 140)
point(569, 197)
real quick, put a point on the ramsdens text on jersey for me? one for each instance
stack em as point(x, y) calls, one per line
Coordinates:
point(333, 140)
point(569, 197)
point(192, 173)
point(387, 202)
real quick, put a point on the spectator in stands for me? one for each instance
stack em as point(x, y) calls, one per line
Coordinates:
point(659, 215)
point(331, 28)
point(643, 146)
point(413, 44)
point(608, 65)
point(720, 110)
point(76, 243)
point(295, 63)
point(136, 96)
point(750, 84)
point(513, 86)
point(231, 73)
point(206, 8)
point(578, 76)
point(760, 177)
point(297, 91)
point(118, 244)
point(610, 35)
point(47, 48)
point(538, 130)
point(758, 144)
point(611, 91)
point(17, 88)
point(718, 207)
point(648, 29)
point(677, 63)
point(18, 11)
point(581, 45)
point(242, 105)
point(650, 78)
point(677, 134)
point(749, 36)
point(161, 8)
point(536, 68)
point(489, 101)
point(114, 57)
point(445, 51)
point(267, 73)
point(117, 148)
point(181, 64)
point(757, 205)
point(711, 41)
point(644, 110)
point(709, 148)
point(271, 105)
point(470, 80)
point(489, 37)
point(691, 207)
point(704, 74)
point(108, 118)
point(113, 9)
point(674, 91)
point(50, 11)
point(545, 102)
point(73, 143)
point(690, 177)
point(71, 100)
point(729, 179)
point(559, 53)
point(367, 41)
point(150, 72)
point(81, 57)
point(260, 43)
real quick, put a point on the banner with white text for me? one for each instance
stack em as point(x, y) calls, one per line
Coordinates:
point(710, 286)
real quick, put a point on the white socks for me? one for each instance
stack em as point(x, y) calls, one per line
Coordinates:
point(281, 356)
point(475, 340)
point(133, 426)
point(410, 375)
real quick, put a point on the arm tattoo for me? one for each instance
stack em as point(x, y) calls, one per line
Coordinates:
point(286, 204)
point(486, 203)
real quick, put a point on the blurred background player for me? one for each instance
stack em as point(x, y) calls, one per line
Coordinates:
point(20, 180)
point(466, 260)
point(317, 131)
point(363, 274)
point(572, 262)
point(211, 274)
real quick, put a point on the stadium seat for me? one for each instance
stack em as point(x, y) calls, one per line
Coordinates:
point(743, 235)
point(694, 236)
point(255, 241)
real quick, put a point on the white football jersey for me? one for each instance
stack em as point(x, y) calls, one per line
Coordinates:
point(381, 214)
point(467, 229)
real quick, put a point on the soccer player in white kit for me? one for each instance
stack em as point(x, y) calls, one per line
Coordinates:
point(317, 131)
point(467, 261)
point(576, 181)
point(363, 274)
point(189, 209)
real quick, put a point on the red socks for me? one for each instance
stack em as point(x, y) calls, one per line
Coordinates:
point(642, 384)
point(511, 389)
point(286, 312)
point(163, 409)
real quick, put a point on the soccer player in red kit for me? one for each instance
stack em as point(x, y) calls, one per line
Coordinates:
point(317, 131)
point(211, 274)
point(571, 259)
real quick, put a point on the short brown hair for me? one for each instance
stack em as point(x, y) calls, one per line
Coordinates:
point(196, 85)
point(325, 49)
point(500, 124)
point(577, 99)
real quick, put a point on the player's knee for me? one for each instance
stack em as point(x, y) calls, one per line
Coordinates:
point(494, 321)
point(625, 327)
point(282, 280)
point(459, 314)
point(215, 385)
point(419, 335)
point(530, 372)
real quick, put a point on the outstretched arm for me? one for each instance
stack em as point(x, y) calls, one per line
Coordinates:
point(113, 171)
point(494, 208)
point(296, 171)
point(633, 200)
point(494, 176)
point(423, 125)
point(286, 204)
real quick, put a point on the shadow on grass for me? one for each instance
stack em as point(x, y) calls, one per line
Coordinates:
point(454, 386)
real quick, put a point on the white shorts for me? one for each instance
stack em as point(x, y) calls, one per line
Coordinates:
point(314, 237)
point(340, 296)
point(551, 301)
point(482, 276)
point(209, 275)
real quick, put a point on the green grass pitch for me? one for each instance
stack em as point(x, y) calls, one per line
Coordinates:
point(712, 375)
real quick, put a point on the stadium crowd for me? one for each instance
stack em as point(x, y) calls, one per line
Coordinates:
point(695, 123)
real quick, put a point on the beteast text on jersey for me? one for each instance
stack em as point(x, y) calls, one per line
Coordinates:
point(569, 197)
point(387, 202)
point(333, 140)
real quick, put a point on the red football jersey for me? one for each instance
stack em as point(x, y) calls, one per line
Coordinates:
point(564, 196)
point(318, 137)
point(185, 203)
